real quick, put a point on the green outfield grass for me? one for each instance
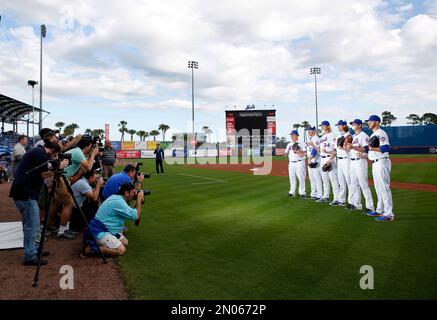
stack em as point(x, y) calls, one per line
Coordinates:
point(241, 237)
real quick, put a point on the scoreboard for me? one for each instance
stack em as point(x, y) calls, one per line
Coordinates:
point(251, 126)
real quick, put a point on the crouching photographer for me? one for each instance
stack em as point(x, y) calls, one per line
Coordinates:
point(107, 225)
point(86, 191)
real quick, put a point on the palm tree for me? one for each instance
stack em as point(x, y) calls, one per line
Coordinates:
point(146, 135)
point(122, 125)
point(141, 134)
point(59, 125)
point(98, 133)
point(208, 132)
point(163, 128)
point(154, 133)
point(131, 132)
point(88, 131)
point(69, 130)
point(305, 125)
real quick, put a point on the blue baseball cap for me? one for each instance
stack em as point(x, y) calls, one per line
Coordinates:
point(357, 121)
point(325, 123)
point(374, 118)
point(294, 132)
point(311, 129)
point(341, 123)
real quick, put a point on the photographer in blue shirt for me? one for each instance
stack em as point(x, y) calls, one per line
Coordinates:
point(110, 218)
point(126, 176)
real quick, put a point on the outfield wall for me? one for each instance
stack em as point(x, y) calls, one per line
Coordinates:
point(412, 139)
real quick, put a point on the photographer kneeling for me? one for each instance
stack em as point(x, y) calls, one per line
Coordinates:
point(110, 218)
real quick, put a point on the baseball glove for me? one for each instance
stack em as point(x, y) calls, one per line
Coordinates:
point(374, 142)
point(327, 167)
point(313, 165)
point(342, 141)
point(295, 147)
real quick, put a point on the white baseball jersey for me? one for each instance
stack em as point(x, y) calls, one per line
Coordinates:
point(360, 141)
point(383, 141)
point(292, 156)
point(327, 144)
point(342, 153)
point(316, 141)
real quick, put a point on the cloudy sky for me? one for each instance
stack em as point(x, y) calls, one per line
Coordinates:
point(127, 60)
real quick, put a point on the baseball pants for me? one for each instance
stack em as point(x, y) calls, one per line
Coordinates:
point(344, 180)
point(316, 183)
point(297, 172)
point(360, 182)
point(330, 178)
point(381, 177)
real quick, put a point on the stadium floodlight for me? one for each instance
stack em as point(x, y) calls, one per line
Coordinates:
point(43, 35)
point(315, 71)
point(32, 83)
point(192, 65)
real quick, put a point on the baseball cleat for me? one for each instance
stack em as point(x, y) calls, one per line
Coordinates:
point(291, 195)
point(374, 214)
point(342, 204)
point(350, 207)
point(385, 218)
point(323, 200)
point(303, 197)
point(314, 198)
point(334, 203)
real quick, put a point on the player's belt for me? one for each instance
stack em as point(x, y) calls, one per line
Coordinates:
point(324, 157)
point(379, 159)
point(341, 158)
point(297, 161)
point(353, 159)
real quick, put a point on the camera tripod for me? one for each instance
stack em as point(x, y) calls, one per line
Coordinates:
point(58, 175)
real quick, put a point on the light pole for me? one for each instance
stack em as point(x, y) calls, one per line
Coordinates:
point(43, 35)
point(192, 65)
point(315, 71)
point(32, 83)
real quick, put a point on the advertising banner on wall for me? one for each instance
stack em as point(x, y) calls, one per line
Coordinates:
point(151, 145)
point(140, 145)
point(116, 145)
point(128, 145)
point(128, 154)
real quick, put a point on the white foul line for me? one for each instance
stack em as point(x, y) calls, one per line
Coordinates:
point(197, 183)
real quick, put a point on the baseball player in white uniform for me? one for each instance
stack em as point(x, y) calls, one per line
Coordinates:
point(296, 165)
point(327, 153)
point(358, 151)
point(315, 173)
point(381, 167)
point(343, 163)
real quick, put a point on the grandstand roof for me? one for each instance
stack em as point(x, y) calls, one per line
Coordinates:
point(12, 110)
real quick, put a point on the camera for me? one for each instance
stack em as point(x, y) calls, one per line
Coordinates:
point(145, 191)
point(56, 163)
point(97, 142)
point(138, 173)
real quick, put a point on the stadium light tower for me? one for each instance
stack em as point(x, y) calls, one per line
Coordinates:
point(32, 83)
point(43, 35)
point(315, 71)
point(192, 65)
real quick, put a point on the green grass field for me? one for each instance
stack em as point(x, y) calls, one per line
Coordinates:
point(239, 236)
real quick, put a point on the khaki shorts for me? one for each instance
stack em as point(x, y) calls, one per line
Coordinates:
point(110, 241)
point(62, 196)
